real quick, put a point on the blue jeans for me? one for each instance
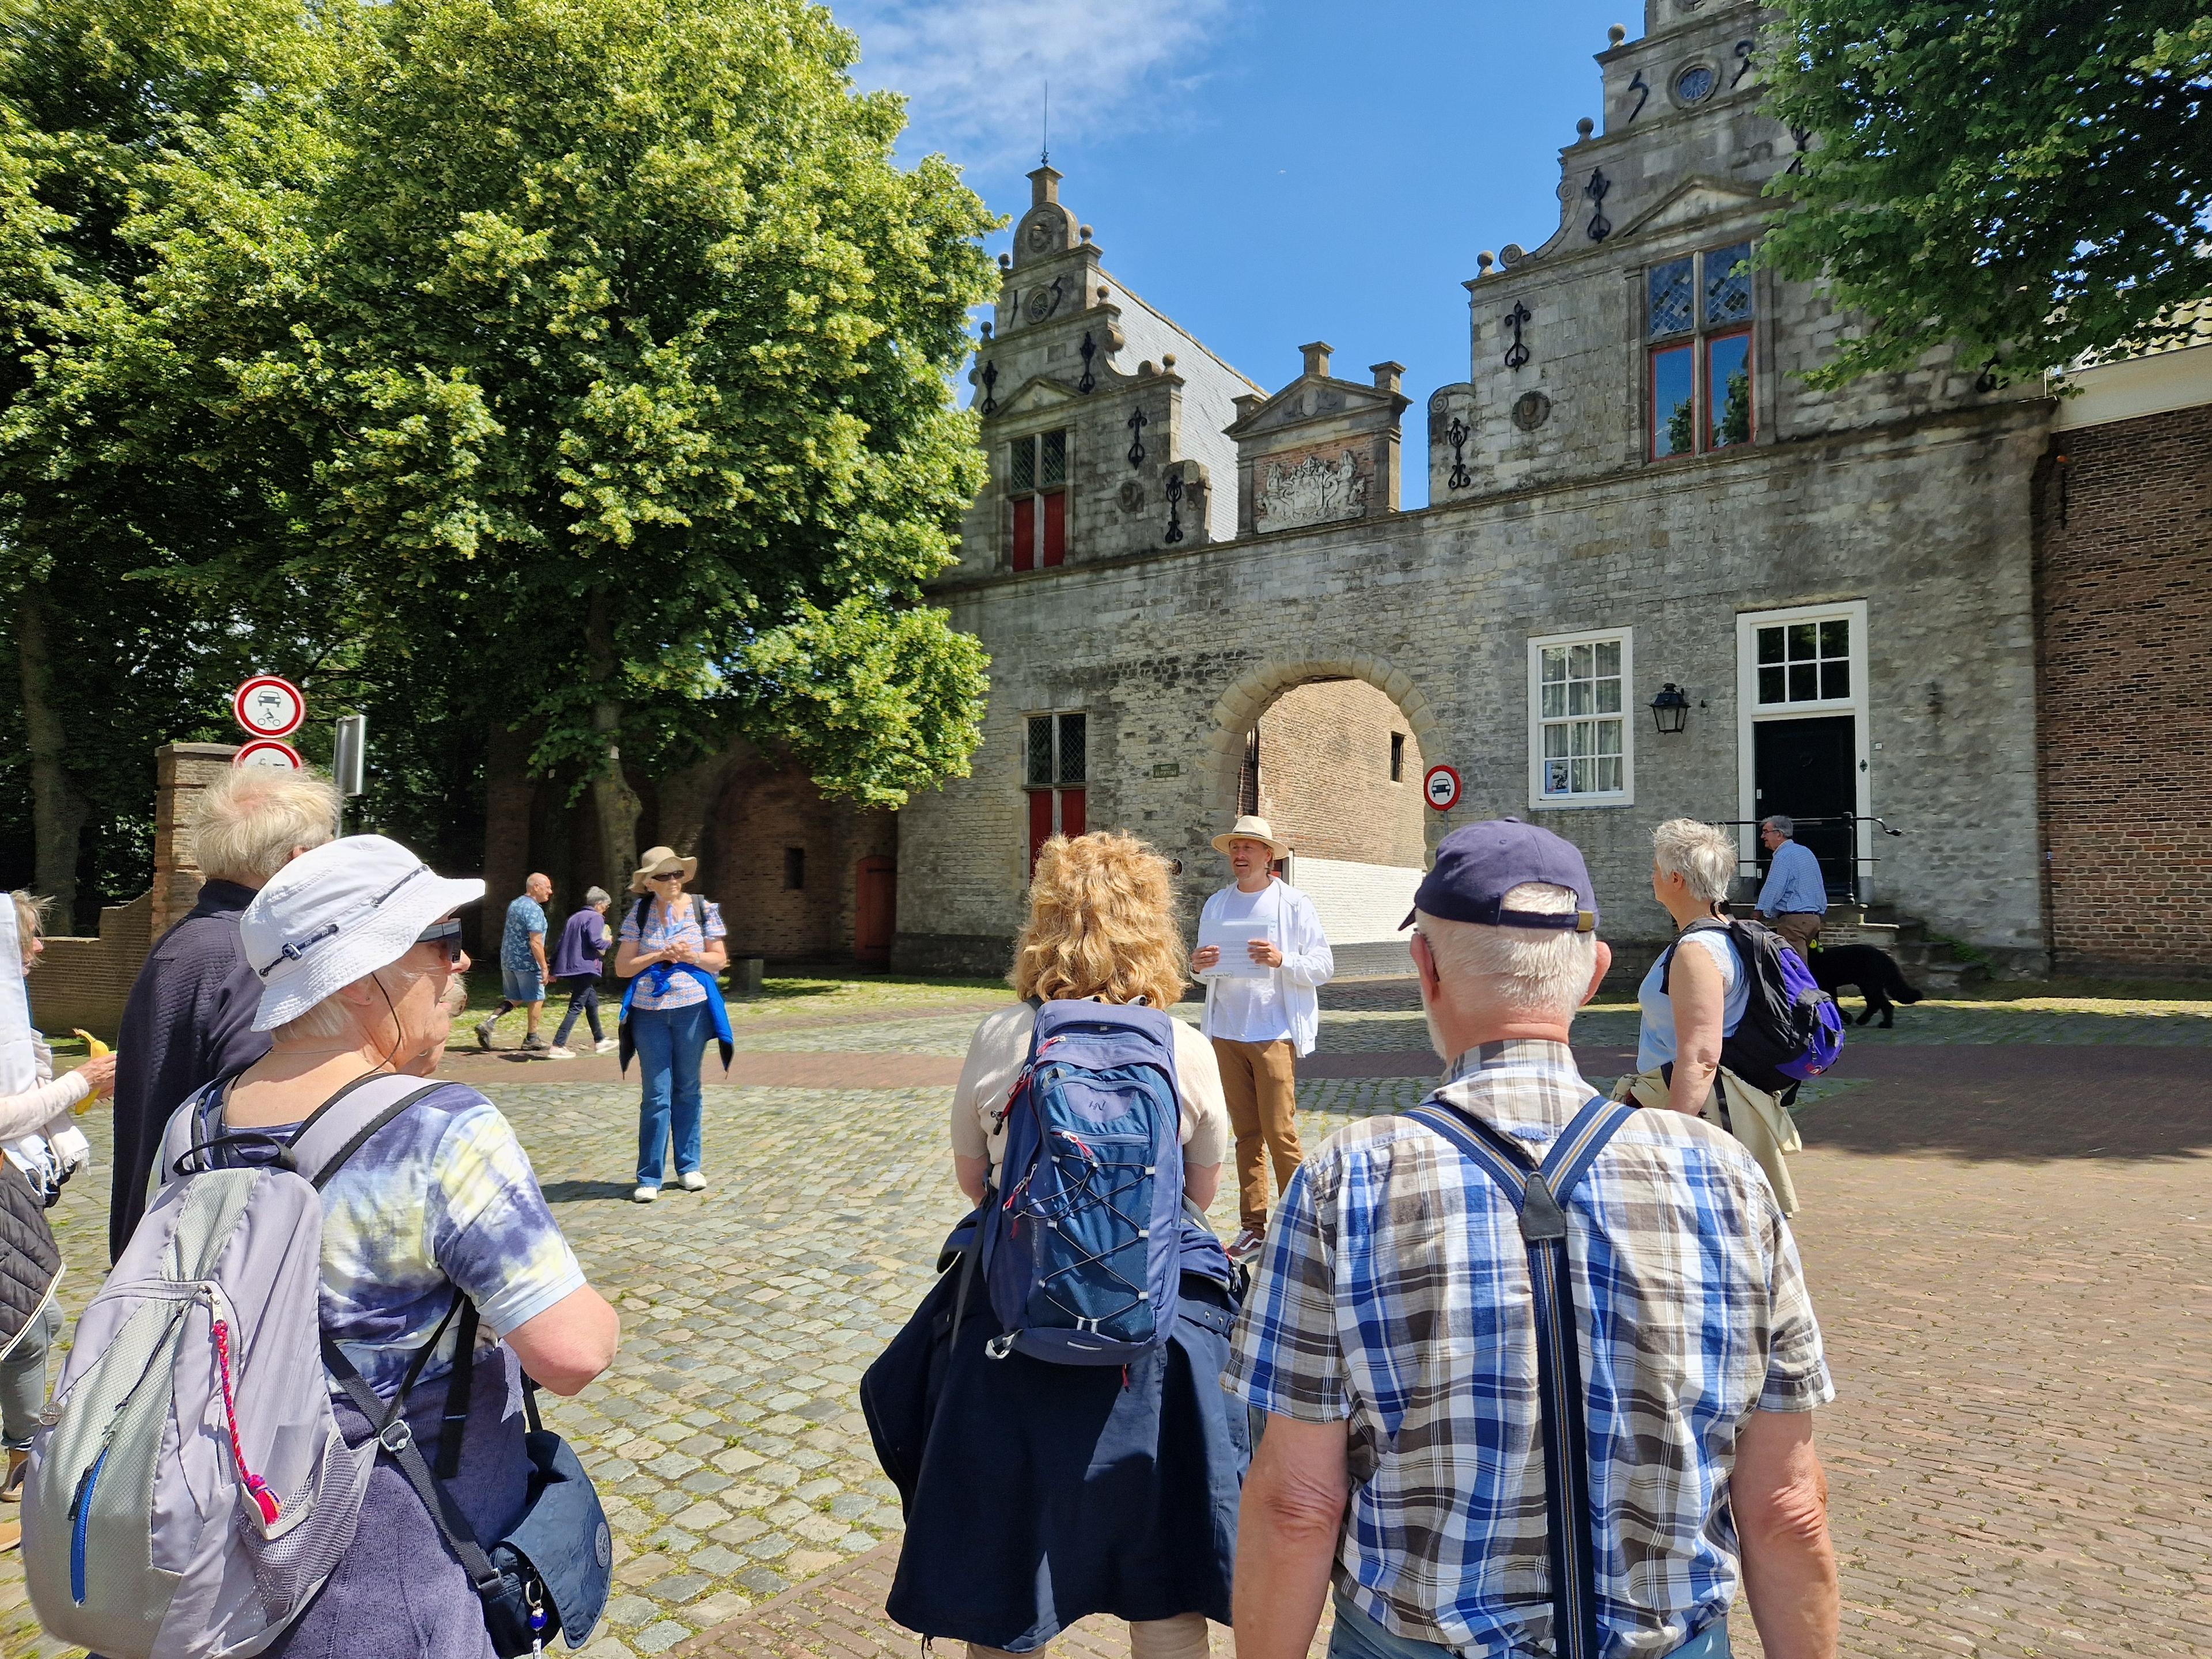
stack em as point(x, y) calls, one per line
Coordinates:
point(1358, 1637)
point(670, 1044)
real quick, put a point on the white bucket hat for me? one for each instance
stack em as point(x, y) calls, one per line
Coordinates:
point(339, 914)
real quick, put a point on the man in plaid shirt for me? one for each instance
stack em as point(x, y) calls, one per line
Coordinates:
point(1390, 1337)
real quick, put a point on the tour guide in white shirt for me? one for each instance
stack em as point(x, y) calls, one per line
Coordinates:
point(1260, 1025)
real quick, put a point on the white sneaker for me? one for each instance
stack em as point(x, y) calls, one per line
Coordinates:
point(645, 1195)
point(693, 1182)
point(606, 1045)
point(557, 1052)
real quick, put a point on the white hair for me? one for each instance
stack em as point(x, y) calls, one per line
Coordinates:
point(246, 827)
point(1703, 856)
point(331, 1017)
point(1538, 973)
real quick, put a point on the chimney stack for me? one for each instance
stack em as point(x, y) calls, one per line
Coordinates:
point(1316, 354)
point(1386, 375)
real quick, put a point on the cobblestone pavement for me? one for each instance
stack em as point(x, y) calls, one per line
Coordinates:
point(2003, 1240)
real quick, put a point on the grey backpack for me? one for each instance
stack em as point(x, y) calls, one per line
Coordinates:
point(190, 1490)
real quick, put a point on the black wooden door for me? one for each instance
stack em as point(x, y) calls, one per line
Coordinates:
point(1808, 768)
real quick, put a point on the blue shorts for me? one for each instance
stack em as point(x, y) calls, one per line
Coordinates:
point(522, 984)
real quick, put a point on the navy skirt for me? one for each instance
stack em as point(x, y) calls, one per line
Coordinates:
point(1037, 1494)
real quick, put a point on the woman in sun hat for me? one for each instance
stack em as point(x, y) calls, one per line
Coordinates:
point(671, 947)
point(360, 966)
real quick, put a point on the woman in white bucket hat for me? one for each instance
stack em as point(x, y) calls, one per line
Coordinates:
point(360, 965)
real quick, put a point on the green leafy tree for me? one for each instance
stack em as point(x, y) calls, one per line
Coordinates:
point(620, 353)
point(2027, 180)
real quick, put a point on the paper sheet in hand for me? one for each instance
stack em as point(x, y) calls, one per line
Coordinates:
point(1233, 937)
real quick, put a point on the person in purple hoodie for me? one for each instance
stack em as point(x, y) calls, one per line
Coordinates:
point(576, 960)
point(190, 1018)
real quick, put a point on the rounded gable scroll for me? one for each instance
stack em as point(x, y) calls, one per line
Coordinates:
point(1045, 229)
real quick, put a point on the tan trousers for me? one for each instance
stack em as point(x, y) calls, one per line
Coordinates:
point(1261, 1082)
point(1184, 1637)
point(1799, 928)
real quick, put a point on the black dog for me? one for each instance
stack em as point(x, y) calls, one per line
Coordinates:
point(1869, 969)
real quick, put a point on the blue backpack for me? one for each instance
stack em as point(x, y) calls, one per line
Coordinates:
point(1792, 1028)
point(1082, 1241)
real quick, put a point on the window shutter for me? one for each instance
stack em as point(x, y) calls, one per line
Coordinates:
point(1025, 533)
point(1055, 528)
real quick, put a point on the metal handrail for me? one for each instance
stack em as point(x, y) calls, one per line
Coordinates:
point(1855, 887)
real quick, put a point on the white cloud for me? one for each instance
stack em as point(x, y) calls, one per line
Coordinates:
point(974, 71)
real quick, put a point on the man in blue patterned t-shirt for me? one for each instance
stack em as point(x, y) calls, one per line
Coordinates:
point(522, 965)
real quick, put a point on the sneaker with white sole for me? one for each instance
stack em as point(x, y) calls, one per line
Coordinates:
point(535, 1044)
point(483, 1035)
point(557, 1052)
point(693, 1182)
point(1246, 1245)
point(645, 1195)
point(606, 1045)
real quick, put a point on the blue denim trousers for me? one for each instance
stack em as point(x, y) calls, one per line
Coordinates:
point(671, 1043)
point(1357, 1637)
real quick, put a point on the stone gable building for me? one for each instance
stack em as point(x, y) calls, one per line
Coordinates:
point(1854, 602)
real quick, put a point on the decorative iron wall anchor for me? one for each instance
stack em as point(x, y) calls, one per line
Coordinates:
point(1641, 88)
point(990, 381)
point(1986, 381)
point(1743, 63)
point(1802, 137)
point(1517, 353)
point(1137, 425)
point(1089, 382)
point(1599, 226)
point(1457, 434)
point(1175, 506)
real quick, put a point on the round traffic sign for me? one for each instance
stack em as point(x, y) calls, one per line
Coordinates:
point(269, 754)
point(1441, 785)
point(269, 707)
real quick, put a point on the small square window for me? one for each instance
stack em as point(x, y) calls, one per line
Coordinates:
point(1672, 289)
point(1673, 404)
point(1073, 734)
point(1023, 474)
point(1804, 662)
point(1397, 757)
point(794, 869)
point(1727, 380)
point(1054, 469)
point(1038, 773)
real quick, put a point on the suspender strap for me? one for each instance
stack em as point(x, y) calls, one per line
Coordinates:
point(1539, 1196)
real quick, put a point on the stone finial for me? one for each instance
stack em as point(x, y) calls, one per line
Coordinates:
point(1167, 362)
point(1006, 262)
point(1316, 355)
point(1483, 261)
point(1247, 405)
point(987, 331)
point(1386, 375)
point(1584, 127)
point(1104, 294)
point(1083, 231)
point(1617, 33)
point(1145, 370)
point(1044, 185)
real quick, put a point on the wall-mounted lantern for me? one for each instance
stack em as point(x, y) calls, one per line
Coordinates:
point(1671, 708)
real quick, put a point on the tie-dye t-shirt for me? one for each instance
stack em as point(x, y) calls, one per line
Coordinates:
point(443, 1195)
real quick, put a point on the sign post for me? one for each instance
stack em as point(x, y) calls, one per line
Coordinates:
point(1441, 785)
point(349, 754)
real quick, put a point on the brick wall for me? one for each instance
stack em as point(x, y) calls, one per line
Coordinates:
point(86, 981)
point(2124, 609)
point(765, 814)
point(1325, 775)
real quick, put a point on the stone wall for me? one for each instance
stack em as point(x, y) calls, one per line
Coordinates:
point(2123, 616)
point(1325, 779)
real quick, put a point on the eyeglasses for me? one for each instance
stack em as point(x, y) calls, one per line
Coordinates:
point(447, 934)
point(666, 875)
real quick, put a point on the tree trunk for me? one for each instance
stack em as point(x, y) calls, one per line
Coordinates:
point(614, 803)
point(58, 811)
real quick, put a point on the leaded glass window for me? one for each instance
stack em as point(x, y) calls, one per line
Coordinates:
point(1673, 287)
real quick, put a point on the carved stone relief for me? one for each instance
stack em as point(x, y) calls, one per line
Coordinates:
point(1313, 490)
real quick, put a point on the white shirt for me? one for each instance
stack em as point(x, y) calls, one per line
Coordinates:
point(1655, 1038)
point(1285, 1003)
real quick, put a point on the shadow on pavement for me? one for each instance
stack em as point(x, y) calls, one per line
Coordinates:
point(2030, 1104)
point(583, 1191)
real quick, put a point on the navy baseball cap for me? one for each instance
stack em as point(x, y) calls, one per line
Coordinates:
point(1478, 865)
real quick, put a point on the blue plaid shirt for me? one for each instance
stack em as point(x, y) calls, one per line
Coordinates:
point(1394, 1292)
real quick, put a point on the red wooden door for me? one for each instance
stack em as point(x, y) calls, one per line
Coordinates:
point(875, 910)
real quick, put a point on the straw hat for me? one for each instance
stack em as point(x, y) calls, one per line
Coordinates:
point(657, 862)
point(1248, 827)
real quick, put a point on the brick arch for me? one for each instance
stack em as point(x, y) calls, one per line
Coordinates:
point(1240, 706)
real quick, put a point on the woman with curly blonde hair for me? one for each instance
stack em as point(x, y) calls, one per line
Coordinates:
point(1044, 1492)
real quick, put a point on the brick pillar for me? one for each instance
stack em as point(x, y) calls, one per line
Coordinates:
point(181, 770)
point(510, 795)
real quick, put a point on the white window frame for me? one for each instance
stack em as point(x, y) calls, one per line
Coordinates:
point(1749, 713)
point(1625, 795)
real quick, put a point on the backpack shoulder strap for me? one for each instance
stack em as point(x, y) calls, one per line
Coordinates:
point(341, 1125)
point(1538, 1195)
point(1666, 956)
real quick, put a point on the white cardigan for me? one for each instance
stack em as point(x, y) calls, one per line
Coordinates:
point(1307, 964)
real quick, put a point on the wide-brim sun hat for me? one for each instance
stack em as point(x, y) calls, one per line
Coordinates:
point(1248, 827)
point(656, 862)
point(339, 914)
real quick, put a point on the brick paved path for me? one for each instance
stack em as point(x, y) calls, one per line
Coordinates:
point(2006, 1229)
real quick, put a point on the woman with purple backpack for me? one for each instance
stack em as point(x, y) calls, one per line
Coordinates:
point(1037, 1492)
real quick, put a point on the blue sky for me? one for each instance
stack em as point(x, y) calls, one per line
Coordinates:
point(1268, 172)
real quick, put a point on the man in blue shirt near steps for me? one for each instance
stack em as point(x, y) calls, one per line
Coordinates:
point(1795, 895)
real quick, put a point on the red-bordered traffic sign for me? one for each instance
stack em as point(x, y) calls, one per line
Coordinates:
point(269, 707)
point(268, 752)
point(1441, 785)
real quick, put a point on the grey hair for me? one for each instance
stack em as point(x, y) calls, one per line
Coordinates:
point(1538, 972)
point(246, 827)
point(30, 913)
point(1703, 856)
point(330, 1017)
point(1781, 823)
point(598, 896)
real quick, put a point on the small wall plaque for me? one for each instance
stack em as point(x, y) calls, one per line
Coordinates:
point(1168, 769)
